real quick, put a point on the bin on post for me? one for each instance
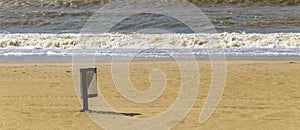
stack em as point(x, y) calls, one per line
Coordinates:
point(88, 85)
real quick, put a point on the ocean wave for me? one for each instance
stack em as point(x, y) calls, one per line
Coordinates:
point(70, 16)
point(168, 41)
point(81, 3)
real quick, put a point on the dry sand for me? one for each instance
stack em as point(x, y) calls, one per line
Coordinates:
point(258, 94)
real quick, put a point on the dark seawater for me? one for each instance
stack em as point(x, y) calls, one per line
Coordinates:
point(69, 16)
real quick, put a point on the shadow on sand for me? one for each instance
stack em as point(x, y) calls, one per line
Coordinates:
point(111, 113)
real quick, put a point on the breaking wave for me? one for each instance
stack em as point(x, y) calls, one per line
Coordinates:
point(169, 41)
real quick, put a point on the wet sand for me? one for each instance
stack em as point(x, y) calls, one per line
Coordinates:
point(258, 94)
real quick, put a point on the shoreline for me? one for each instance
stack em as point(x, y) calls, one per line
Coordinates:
point(58, 59)
point(144, 60)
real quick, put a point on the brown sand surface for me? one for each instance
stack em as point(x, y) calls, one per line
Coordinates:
point(261, 94)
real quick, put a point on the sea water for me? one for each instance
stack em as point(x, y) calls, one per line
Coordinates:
point(51, 31)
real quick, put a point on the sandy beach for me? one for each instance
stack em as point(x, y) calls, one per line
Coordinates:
point(262, 94)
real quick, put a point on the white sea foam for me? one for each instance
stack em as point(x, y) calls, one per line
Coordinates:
point(67, 44)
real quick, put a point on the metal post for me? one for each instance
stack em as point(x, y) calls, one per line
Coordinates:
point(84, 89)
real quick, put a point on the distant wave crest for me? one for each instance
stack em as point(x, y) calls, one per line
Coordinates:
point(81, 3)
